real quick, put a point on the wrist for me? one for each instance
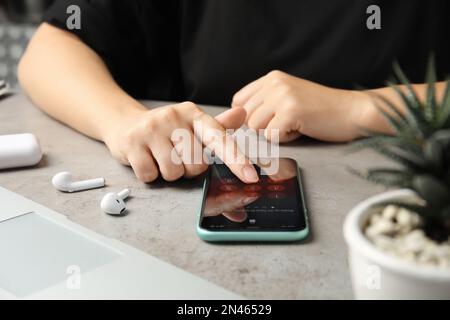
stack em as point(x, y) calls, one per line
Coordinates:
point(362, 112)
point(119, 118)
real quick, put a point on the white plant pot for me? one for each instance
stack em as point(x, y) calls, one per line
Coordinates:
point(377, 275)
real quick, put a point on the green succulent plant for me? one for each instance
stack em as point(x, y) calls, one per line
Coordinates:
point(420, 146)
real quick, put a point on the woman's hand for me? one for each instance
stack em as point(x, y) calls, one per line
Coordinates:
point(297, 107)
point(144, 140)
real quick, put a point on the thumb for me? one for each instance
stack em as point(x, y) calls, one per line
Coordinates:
point(233, 118)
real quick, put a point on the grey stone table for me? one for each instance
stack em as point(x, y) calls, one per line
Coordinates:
point(161, 219)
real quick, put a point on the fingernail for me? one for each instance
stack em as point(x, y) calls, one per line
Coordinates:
point(249, 200)
point(250, 174)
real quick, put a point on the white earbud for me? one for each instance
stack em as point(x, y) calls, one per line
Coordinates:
point(63, 182)
point(113, 203)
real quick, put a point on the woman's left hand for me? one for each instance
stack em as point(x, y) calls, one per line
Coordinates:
point(297, 107)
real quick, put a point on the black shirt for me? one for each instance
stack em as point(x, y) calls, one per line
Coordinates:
point(205, 50)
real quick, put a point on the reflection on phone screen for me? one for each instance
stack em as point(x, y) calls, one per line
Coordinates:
point(272, 204)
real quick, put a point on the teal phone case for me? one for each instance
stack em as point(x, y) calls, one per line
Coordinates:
point(249, 236)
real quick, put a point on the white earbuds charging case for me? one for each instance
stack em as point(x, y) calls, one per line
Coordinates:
point(19, 150)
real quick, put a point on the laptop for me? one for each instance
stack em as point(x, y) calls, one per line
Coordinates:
point(45, 256)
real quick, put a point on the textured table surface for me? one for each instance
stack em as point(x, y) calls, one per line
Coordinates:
point(161, 219)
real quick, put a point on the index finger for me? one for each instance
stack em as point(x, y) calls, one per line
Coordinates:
point(214, 136)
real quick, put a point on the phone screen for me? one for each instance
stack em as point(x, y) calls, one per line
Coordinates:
point(273, 204)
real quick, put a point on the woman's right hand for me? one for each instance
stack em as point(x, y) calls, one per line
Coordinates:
point(144, 141)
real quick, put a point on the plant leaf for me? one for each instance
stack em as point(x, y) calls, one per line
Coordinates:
point(414, 114)
point(405, 81)
point(406, 144)
point(390, 105)
point(389, 177)
point(393, 121)
point(413, 162)
point(436, 150)
point(433, 191)
point(443, 121)
point(430, 102)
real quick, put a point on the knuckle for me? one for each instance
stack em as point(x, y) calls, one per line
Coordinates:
point(188, 106)
point(173, 174)
point(235, 101)
point(275, 82)
point(148, 124)
point(195, 170)
point(149, 176)
point(291, 107)
point(285, 89)
point(121, 157)
point(141, 176)
point(168, 114)
point(252, 124)
point(151, 125)
point(279, 82)
point(144, 172)
point(120, 154)
point(129, 137)
point(160, 120)
point(276, 74)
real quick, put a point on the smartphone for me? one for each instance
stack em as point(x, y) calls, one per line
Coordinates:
point(273, 209)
